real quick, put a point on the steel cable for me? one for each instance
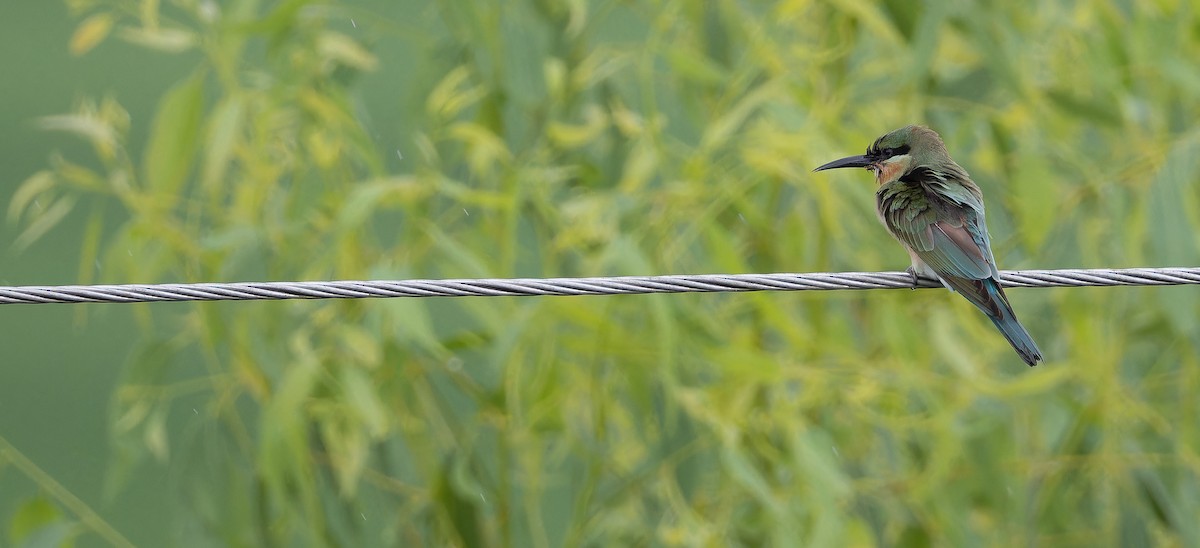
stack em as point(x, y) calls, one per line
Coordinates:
point(621, 285)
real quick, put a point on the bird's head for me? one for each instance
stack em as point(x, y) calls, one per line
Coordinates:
point(898, 153)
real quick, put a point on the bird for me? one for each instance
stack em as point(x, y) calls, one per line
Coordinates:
point(933, 208)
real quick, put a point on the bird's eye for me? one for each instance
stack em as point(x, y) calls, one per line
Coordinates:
point(889, 152)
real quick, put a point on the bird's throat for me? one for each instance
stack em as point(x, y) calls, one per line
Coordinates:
point(889, 171)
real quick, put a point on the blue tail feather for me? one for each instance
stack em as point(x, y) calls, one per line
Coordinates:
point(1005, 319)
point(988, 296)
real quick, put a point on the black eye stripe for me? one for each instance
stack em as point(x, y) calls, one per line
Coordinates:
point(875, 152)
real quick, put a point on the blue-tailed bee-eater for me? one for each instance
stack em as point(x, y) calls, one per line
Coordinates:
point(929, 203)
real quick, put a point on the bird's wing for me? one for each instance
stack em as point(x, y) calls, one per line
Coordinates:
point(943, 236)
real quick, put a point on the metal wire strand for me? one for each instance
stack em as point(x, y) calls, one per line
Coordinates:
point(622, 285)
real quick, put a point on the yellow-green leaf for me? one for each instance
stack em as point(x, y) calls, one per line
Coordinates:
point(170, 40)
point(173, 135)
point(29, 190)
point(45, 221)
point(224, 133)
point(33, 518)
point(90, 33)
point(345, 50)
point(1034, 194)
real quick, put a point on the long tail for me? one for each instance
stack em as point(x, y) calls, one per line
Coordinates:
point(989, 297)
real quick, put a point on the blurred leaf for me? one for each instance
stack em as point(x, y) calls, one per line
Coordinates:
point(54, 535)
point(872, 16)
point(598, 66)
point(323, 146)
point(415, 325)
point(91, 128)
point(1168, 510)
point(36, 185)
point(363, 396)
point(223, 134)
point(951, 344)
point(723, 126)
point(368, 196)
point(815, 451)
point(745, 474)
point(458, 507)
point(148, 12)
point(169, 40)
point(90, 33)
point(1035, 194)
point(694, 66)
point(171, 146)
point(30, 519)
point(640, 167)
point(78, 7)
point(81, 177)
point(485, 149)
point(283, 451)
point(346, 449)
point(89, 250)
point(575, 136)
point(345, 50)
point(45, 220)
point(359, 345)
point(1133, 527)
point(1092, 110)
point(1043, 380)
point(555, 73)
point(154, 435)
point(449, 97)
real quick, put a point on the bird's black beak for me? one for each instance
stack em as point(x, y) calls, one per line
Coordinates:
point(853, 161)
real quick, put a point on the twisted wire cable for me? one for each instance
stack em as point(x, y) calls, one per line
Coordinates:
point(620, 285)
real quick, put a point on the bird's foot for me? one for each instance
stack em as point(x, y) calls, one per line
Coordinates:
point(917, 278)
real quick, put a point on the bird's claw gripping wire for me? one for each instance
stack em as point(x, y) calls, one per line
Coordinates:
point(916, 280)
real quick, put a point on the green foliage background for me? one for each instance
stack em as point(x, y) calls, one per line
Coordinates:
point(311, 140)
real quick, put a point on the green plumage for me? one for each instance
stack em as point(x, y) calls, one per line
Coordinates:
point(929, 203)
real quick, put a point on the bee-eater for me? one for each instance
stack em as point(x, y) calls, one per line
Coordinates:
point(929, 203)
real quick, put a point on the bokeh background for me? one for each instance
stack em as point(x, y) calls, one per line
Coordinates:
point(203, 140)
